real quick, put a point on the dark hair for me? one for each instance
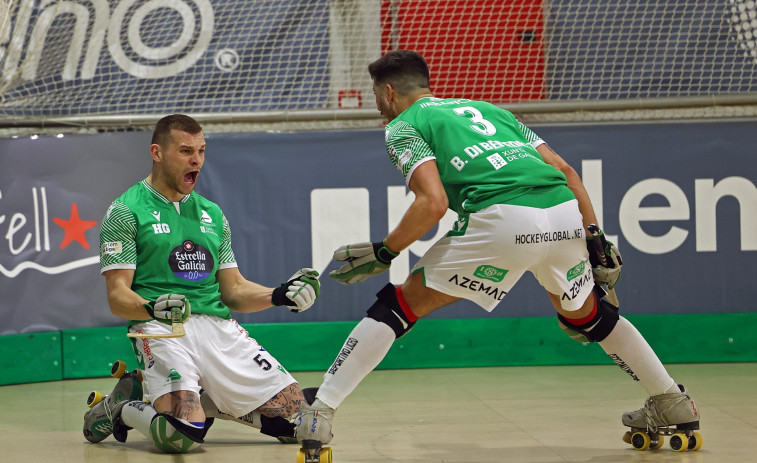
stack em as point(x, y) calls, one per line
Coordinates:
point(405, 70)
point(174, 122)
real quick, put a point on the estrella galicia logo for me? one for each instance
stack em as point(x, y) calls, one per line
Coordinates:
point(190, 261)
point(491, 273)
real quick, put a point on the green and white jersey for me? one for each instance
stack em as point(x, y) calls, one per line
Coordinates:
point(484, 154)
point(172, 247)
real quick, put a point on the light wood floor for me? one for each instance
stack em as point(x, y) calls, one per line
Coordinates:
point(476, 415)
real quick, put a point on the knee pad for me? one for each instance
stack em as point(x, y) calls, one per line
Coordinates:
point(173, 435)
point(388, 310)
point(309, 393)
point(597, 328)
point(278, 427)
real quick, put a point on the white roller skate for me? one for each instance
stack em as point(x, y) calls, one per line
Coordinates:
point(313, 429)
point(674, 414)
point(104, 411)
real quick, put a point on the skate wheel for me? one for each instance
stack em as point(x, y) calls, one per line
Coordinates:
point(325, 456)
point(94, 398)
point(640, 440)
point(679, 442)
point(695, 441)
point(118, 369)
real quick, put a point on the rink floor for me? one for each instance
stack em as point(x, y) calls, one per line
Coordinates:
point(460, 415)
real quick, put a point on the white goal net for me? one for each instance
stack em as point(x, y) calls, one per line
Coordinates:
point(91, 62)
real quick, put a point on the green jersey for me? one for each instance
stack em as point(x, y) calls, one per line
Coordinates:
point(485, 156)
point(172, 247)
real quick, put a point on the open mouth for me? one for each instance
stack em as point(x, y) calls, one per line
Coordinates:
point(191, 177)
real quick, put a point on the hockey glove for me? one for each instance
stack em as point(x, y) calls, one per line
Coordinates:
point(299, 292)
point(363, 260)
point(160, 309)
point(604, 257)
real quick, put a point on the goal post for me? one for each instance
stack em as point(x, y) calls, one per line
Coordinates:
point(85, 65)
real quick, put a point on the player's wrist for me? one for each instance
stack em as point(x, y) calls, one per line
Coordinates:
point(279, 296)
point(383, 253)
point(150, 308)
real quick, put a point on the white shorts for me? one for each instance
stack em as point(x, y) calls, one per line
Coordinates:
point(216, 355)
point(483, 261)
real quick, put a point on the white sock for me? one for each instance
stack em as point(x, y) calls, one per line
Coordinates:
point(364, 349)
point(630, 351)
point(138, 415)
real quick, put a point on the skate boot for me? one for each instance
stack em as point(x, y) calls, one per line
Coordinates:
point(313, 429)
point(673, 414)
point(103, 417)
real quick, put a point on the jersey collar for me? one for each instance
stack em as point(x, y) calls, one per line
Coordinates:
point(160, 195)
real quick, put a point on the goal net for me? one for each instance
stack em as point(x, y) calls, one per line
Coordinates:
point(122, 62)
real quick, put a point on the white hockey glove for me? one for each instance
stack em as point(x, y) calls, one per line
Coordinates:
point(160, 309)
point(363, 260)
point(605, 259)
point(299, 292)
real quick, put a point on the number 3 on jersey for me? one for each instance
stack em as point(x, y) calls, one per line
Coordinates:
point(484, 127)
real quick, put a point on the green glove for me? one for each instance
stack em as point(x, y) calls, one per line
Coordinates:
point(160, 309)
point(363, 260)
point(299, 292)
point(605, 258)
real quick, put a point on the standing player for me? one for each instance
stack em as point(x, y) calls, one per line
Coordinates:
point(161, 246)
point(521, 208)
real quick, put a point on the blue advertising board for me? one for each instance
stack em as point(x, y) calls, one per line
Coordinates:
point(679, 200)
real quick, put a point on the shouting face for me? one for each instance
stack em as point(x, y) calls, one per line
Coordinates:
point(178, 163)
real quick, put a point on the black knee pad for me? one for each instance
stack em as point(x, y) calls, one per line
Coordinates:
point(208, 423)
point(276, 426)
point(310, 393)
point(599, 327)
point(387, 310)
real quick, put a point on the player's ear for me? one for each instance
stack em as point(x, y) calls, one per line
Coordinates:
point(156, 153)
point(391, 94)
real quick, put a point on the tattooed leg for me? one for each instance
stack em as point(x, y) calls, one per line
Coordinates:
point(184, 405)
point(284, 404)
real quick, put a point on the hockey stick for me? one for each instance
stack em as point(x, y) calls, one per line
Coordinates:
point(177, 328)
point(600, 243)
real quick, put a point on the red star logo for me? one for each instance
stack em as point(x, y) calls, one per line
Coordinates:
point(74, 228)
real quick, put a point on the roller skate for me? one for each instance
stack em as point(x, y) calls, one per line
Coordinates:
point(101, 420)
point(313, 429)
point(673, 414)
